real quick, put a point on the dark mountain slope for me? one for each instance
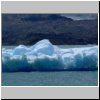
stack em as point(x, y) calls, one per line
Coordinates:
point(29, 28)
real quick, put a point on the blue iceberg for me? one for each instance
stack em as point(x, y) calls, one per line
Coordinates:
point(43, 56)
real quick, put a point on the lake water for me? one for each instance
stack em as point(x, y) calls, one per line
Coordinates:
point(56, 78)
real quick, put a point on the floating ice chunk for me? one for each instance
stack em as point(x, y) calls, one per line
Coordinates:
point(45, 56)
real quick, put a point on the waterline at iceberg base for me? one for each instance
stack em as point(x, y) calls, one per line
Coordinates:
point(44, 56)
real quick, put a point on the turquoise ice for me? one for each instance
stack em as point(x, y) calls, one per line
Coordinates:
point(44, 56)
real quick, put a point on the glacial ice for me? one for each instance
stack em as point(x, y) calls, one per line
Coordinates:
point(43, 56)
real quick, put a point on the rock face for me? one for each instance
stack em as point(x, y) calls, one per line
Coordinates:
point(44, 56)
point(27, 29)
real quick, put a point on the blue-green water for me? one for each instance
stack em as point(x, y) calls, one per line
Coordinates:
point(63, 78)
point(60, 78)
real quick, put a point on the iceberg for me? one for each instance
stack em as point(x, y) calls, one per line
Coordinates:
point(44, 56)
